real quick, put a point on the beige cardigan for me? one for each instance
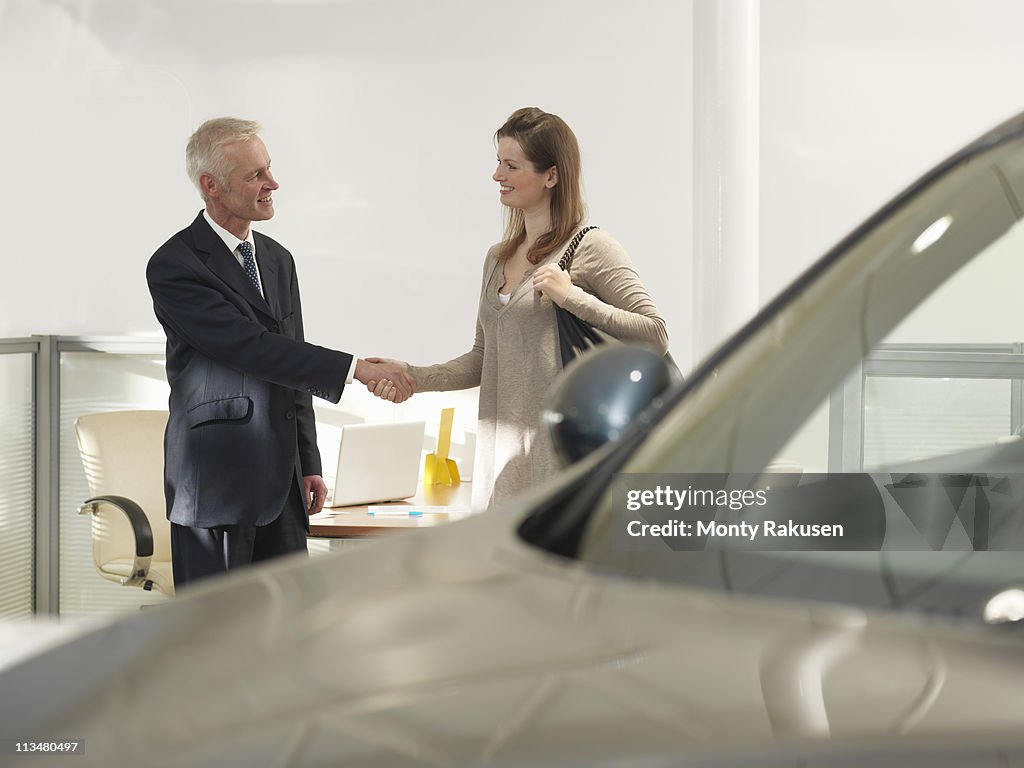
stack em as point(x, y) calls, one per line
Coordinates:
point(515, 358)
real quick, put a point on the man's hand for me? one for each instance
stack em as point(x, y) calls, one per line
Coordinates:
point(316, 492)
point(388, 379)
point(552, 281)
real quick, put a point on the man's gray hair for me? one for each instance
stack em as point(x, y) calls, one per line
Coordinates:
point(204, 153)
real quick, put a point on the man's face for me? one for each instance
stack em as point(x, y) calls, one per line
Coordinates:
point(247, 194)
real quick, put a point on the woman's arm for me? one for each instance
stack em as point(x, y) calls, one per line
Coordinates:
point(608, 294)
point(461, 372)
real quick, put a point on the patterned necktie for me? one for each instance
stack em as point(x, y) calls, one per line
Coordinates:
point(249, 264)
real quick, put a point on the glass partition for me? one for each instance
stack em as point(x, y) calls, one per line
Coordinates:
point(94, 377)
point(910, 418)
point(17, 473)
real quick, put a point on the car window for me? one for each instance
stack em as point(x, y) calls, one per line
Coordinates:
point(900, 351)
point(947, 379)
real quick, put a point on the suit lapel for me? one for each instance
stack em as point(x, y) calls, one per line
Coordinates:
point(266, 257)
point(223, 264)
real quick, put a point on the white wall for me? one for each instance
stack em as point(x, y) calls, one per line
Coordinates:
point(379, 118)
point(858, 99)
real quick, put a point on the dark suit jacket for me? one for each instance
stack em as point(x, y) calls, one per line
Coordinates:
point(241, 428)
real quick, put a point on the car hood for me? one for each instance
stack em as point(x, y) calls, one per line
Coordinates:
point(462, 645)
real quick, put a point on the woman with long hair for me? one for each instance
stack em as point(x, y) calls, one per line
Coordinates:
point(515, 355)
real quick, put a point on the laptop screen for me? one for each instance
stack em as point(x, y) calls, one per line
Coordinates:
point(377, 462)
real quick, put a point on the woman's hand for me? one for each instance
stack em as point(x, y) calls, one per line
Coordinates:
point(552, 281)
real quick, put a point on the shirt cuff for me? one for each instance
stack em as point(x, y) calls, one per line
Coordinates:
point(351, 370)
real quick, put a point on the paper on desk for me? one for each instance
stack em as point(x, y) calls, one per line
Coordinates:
point(416, 511)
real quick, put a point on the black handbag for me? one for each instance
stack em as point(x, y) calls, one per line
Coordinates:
point(576, 336)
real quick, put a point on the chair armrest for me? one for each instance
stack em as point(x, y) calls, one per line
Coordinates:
point(141, 529)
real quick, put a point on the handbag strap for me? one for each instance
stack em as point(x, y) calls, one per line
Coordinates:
point(566, 261)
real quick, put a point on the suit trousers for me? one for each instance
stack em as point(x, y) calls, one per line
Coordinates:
point(198, 553)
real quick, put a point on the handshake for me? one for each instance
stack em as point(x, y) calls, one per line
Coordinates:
point(387, 379)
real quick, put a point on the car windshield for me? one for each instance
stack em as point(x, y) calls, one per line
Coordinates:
point(899, 354)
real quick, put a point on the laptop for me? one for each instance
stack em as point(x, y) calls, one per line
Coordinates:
point(377, 462)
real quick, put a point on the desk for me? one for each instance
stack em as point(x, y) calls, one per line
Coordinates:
point(354, 522)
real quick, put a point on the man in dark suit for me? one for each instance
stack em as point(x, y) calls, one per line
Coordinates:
point(241, 464)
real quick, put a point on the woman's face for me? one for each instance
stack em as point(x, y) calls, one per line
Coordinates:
point(522, 186)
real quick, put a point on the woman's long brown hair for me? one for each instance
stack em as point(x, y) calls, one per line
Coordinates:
point(546, 141)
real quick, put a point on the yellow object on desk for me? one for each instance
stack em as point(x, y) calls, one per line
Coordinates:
point(439, 469)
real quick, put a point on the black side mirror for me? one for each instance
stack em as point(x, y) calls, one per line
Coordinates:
point(598, 395)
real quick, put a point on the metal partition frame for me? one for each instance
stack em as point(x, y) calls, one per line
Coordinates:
point(951, 361)
point(47, 351)
point(43, 476)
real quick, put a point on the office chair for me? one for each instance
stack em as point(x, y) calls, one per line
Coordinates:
point(122, 453)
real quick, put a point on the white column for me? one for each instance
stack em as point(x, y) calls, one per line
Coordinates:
point(726, 44)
